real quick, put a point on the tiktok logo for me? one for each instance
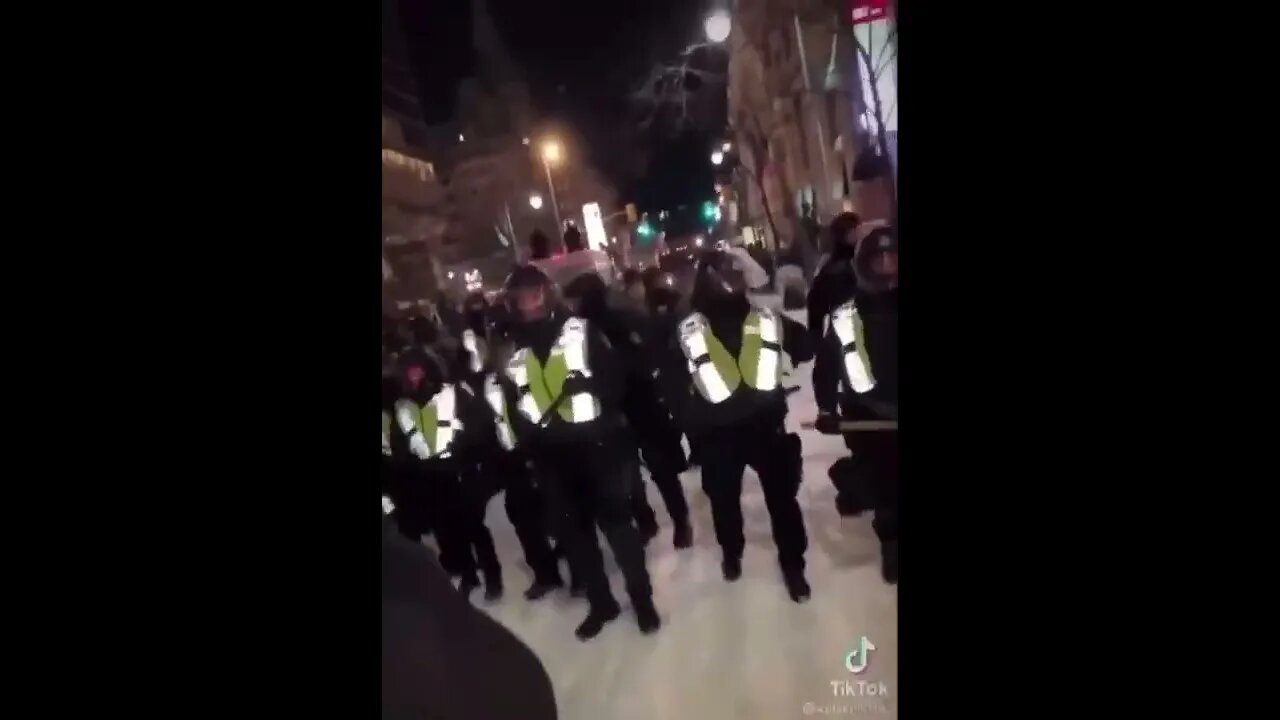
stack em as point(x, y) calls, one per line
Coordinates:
point(858, 659)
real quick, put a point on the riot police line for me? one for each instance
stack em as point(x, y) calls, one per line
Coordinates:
point(556, 396)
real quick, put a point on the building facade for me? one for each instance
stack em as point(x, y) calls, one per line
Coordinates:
point(415, 205)
point(798, 113)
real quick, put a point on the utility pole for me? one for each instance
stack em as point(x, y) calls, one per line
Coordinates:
point(824, 188)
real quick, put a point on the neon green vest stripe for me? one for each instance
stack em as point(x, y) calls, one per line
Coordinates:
point(546, 384)
point(860, 339)
point(723, 362)
point(425, 419)
point(749, 356)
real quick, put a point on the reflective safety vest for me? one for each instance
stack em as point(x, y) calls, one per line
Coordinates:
point(386, 434)
point(715, 373)
point(475, 357)
point(853, 347)
point(431, 429)
point(498, 401)
point(539, 387)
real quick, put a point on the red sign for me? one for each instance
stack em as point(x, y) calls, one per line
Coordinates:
point(865, 11)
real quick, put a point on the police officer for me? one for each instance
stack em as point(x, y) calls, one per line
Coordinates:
point(437, 420)
point(495, 463)
point(657, 439)
point(833, 285)
point(722, 377)
point(855, 377)
point(666, 306)
point(835, 275)
point(562, 389)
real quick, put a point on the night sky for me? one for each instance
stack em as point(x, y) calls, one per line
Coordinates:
point(582, 59)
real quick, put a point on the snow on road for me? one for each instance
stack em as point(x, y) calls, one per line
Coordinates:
point(740, 650)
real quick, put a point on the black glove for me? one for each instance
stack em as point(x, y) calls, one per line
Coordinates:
point(827, 424)
point(575, 383)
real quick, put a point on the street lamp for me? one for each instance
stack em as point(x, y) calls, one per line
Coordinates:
point(726, 147)
point(717, 26)
point(551, 153)
point(717, 157)
point(535, 201)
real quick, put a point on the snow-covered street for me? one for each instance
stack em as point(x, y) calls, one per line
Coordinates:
point(740, 650)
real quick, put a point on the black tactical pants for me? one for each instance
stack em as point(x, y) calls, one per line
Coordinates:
point(664, 457)
point(590, 483)
point(880, 453)
point(526, 509)
point(446, 496)
point(775, 456)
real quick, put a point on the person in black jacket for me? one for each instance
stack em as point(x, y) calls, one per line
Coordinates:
point(563, 388)
point(722, 378)
point(835, 274)
point(441, 424)
point(539, 245)
point(494, 463)
point(855, 377)
point(440, 654)
point(834, 284)
point(657, 439)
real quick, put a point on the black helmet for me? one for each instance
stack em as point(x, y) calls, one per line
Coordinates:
point(839, 242)
point(875, 262)
point(425, 329)
point(588, 294)
point(421, 374)
point(531, 295)
point(718, 280)
point(660, 292)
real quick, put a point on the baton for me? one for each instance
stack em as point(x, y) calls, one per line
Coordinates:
point(860, 425)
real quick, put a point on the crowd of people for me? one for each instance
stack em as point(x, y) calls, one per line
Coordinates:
point(557, 394)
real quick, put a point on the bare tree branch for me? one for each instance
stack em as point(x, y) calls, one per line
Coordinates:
point(881, 67)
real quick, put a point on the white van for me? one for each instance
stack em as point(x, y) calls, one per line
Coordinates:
point(564, 268)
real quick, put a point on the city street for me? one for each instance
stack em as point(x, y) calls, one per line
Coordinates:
point(737, 651)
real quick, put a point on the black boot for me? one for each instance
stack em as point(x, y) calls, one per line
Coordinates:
point(493, 586)
point(682, 536)
point(847, 506)
point(542, 586)
point(468, 586)
point(732, 567)
point(889, 562)
point(577, 588)
point(797, 586)
point(648, 529)
point(647, 615)
point(596, 619)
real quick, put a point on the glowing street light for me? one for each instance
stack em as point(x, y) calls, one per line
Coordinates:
point(717, 157)
point(551, 152)
point(535, 201)
point(726, 147)
point(717, 26)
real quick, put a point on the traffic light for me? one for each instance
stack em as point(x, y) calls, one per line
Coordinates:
point(645, 232)
point(631, 213)
point(710, 212)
